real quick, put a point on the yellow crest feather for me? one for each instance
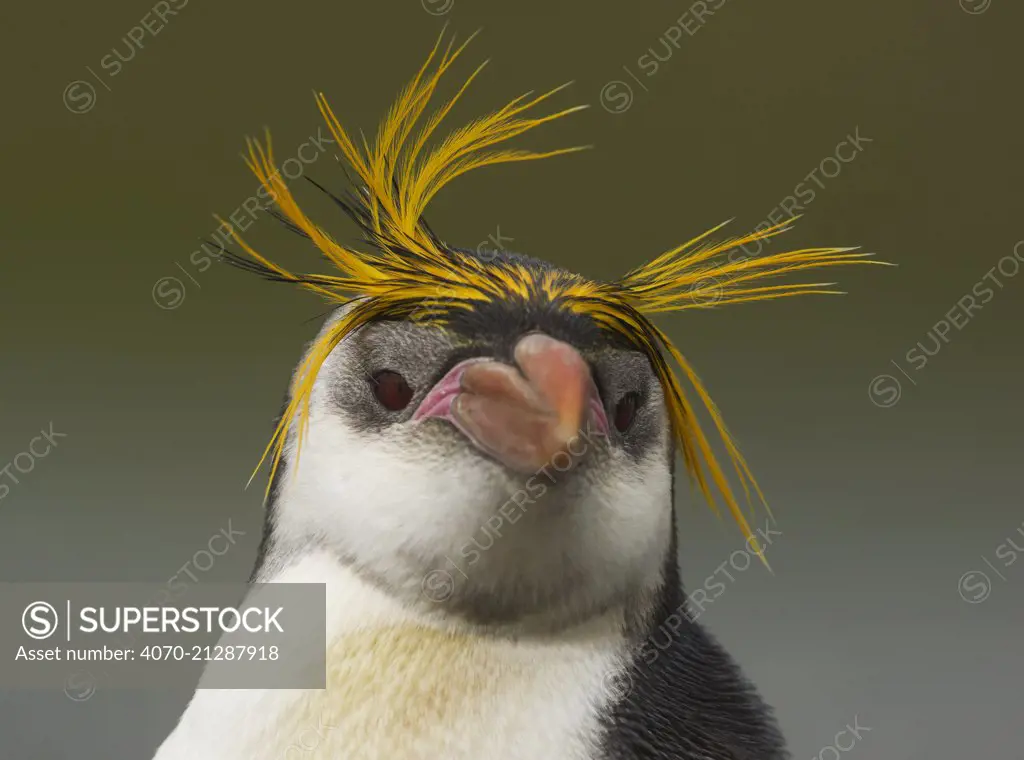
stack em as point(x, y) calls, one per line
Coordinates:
point(410, 273)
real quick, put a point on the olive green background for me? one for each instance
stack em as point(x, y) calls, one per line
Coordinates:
point(883, 508)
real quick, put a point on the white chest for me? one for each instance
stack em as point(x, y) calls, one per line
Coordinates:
point(401, 689)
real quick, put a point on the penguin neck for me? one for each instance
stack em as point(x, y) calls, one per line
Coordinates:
point(355, 604)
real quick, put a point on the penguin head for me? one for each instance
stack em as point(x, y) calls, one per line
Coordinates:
point(493, 434)
point(512, 463)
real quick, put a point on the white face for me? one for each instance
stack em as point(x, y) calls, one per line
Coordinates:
point(479, 513)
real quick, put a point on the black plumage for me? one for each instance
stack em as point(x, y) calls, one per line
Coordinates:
point(683, 696)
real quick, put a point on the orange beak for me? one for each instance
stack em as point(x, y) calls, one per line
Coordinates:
point(524, 415)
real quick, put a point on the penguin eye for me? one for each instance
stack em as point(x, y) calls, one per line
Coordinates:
point(391, 390)
point(625, 411)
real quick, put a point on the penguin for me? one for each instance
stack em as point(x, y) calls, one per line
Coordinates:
point(477, 457)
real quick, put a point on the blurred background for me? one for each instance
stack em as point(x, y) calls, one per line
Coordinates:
point(885, 426)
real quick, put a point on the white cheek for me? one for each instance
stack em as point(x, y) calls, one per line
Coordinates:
point(627, 532)
point(367, 496)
